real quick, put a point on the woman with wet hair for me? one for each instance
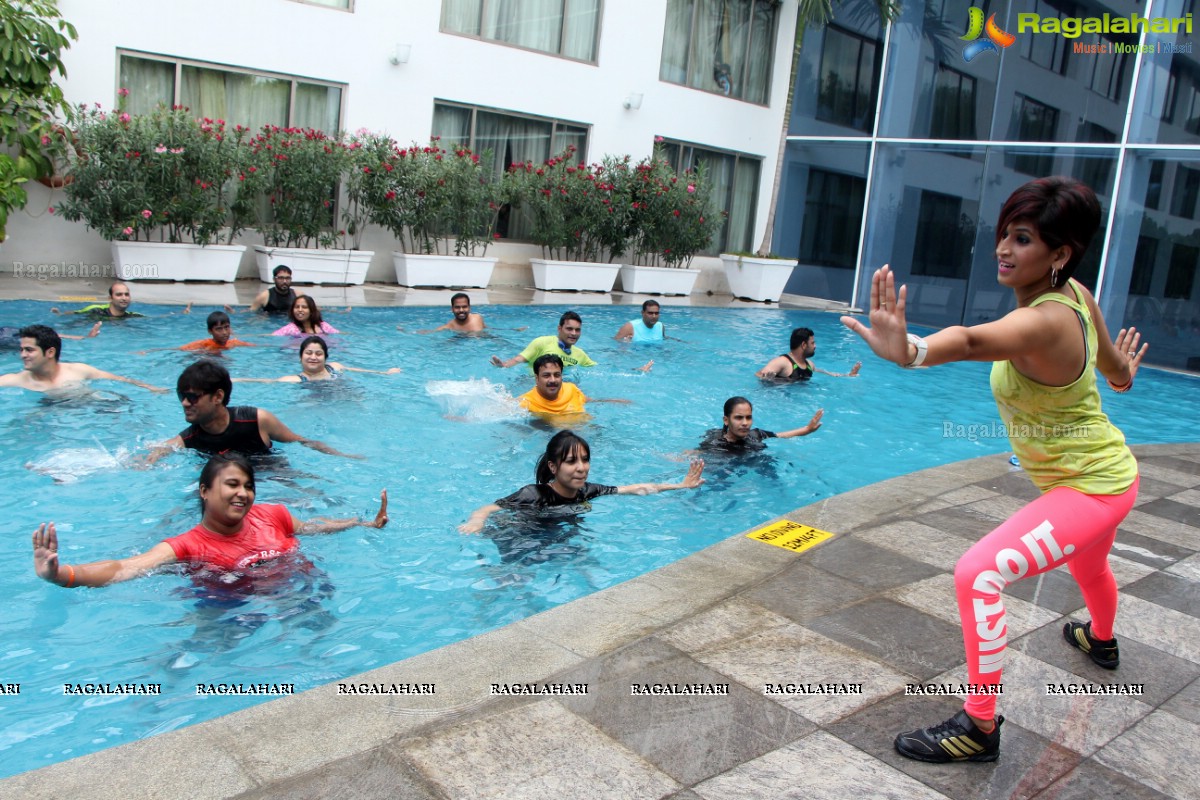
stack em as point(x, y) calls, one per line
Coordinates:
point(304, 319)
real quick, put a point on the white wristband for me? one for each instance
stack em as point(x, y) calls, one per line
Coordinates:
point(922, 349)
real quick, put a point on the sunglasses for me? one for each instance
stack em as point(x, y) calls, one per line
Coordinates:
point(192, 397)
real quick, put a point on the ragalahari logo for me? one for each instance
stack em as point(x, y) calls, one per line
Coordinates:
point(996, 38)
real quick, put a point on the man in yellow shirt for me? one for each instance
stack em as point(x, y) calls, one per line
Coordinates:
point(551, 395)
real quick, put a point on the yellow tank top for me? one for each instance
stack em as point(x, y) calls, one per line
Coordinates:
point(1059, 433)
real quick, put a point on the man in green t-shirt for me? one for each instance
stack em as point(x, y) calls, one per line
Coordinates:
point(570, 327)
point(117, 307)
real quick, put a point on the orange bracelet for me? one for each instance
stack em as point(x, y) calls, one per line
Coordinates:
point(71, 579)
point(1122, 388)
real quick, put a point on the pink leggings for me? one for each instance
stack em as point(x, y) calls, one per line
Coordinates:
point(1062, 526)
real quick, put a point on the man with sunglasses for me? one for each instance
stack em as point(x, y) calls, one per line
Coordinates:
point(214, 427)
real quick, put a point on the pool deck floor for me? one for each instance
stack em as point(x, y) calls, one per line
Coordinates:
point(869, 611)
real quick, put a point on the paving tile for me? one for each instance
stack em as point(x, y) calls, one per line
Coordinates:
point(1171, 591)
point(536, 751)
point(1091, 780)
point(935, 596)
point(1162, 628)
point(1150, 490)
point(1149, 551)
point(1186, 703)
point(1189, 568)
point(1055, 590)
point(590, 625)
point(1159, 752)
point(1179, 534)
point(1187, 463)
point(381, 774)
point(1079, 723)
point(690, 738)
point(1167, 472)
point(898, 635)
point(1189, 497)
point(1161, 675)
point(817, 767)
point(803, 591)
point(955, 497)
point(959, 521)
point(728, 622)
point(1172, 510)
point(997, 508)
point(1027, 764)
point(924, 543)
point(798, 656)
point(868, 565)
point(1126, 571)
point(1015, 484)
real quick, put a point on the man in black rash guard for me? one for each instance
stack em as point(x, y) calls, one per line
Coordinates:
point(203, 389)
point(276, 299)
point(794, 365)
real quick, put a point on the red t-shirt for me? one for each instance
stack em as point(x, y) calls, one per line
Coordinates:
point(211, 344)
point(266, 533)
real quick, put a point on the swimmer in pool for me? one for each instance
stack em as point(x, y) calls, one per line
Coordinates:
point(314, 366)
point(794, 365)
point(561, 474)
point(464, 320)
point(10, 336)
point(552, 396)
point(738, 434)
point(304, 319)
point(234, 535)
point(41, 347)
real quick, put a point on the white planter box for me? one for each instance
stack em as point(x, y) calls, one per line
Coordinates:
point(163, 261)
point(417, 269)
point(577, 276)
point(757, 278)
point(657, 280)
point(344, 267)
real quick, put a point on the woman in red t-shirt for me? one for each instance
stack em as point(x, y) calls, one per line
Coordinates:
point(233, 535)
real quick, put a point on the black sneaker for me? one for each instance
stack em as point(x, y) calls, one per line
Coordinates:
point(956, 739)
point(1103, 653)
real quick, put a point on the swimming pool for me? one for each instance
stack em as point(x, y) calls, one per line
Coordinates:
point(373, 597)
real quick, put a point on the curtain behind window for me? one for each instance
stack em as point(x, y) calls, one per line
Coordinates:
point(579, 29)
point(243, 99)
point(529, 23)
point(676, 41)
point(317, 107)
point(462, 16)
point(710, 34)
point(150, 84)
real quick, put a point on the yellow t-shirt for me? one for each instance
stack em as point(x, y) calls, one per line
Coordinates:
point(570, 401)
point(1059, 433)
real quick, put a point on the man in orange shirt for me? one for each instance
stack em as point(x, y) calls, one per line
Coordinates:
point(221, 334)
point(551, 395)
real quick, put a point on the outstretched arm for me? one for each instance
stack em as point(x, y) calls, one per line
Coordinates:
point(96, 573)
point(322, 525)
point(812, 425)
point(478, 518)
point(95, 331)
point(692, 480)
point(1118, 362)
point(108, 376)
point(512, 362)
point(391, 371)
point(853, 373)
point(773, 368)
point(269, 424)
point(625, 333)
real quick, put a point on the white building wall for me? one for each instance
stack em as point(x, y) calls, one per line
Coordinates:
point(312, 41)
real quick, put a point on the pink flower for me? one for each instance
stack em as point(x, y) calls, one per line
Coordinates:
point(45, 141)
point(124, 118)
point(691, 188)
point(177, 150)
point(658, 138)
point(147, 213)
point(122, 92)
point(50, 209)
point(162, 148)
point(128, 231)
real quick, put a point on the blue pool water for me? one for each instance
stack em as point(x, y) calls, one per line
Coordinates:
point(443, 438)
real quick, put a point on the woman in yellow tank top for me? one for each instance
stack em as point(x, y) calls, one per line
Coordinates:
point(1045, 354)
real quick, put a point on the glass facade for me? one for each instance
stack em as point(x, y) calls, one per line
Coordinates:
point(902, 150)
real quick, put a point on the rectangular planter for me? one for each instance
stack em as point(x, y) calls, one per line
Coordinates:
point(657, 280)
point(573, 276)
point(460, 272)
point(342, 267)
point(164, 261)
point(757, 278)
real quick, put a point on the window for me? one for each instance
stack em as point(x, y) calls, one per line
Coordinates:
point(1182, 272)
point(953, 115)
point(1109, 73)
point(833, 213)
point(735, 187)
point(849, 79)
point(331, 3)
point(1095, 167)
point(1143, 265)
point(1154, 184)
point(511, 139)
point(1185, 193)
point(1035, 122)
point(239, 97)
point(721, 46)
point(943, 243)
point(561, 27)
point(1182, 105)
point(1047, 50)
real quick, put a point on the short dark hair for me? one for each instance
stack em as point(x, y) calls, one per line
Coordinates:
point(457, 295)
point(115, 284)
point(1064, 211)
point(560, 446)
point(568, 316)
point(649, 303)
point(548, 358)
point(314, 340)
point(205, 376)
point(800, 336)
point(217, 464)
point(733, 403)
point(45, 336)
point(281, 268)
point(216, 318)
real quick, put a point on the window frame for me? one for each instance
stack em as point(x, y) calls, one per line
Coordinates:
point(750, 41)
point(721, 241)
point(562, 31)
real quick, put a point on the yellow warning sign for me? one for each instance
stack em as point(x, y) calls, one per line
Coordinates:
point(790, 535)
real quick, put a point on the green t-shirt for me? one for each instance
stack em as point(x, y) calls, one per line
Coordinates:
point(549, 344)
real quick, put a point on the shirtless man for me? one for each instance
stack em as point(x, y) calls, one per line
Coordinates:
point(464, 321)
point(214, 427)
point(40, 349)
point(795, 366)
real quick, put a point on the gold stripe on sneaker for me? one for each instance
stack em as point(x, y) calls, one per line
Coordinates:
point(1081, 637)
point(961, 746)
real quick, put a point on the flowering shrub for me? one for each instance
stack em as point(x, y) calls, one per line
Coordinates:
point(672, 215)
point(428, 197)
point(163, 176)
point(297, 173)
point(577, 212)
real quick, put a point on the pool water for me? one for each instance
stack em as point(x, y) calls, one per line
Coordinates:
point(444, 438)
